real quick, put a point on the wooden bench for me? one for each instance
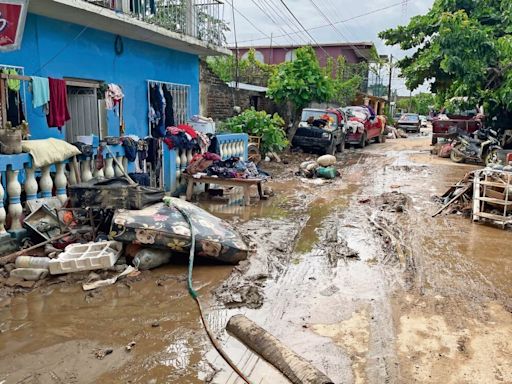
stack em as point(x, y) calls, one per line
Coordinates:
point(246, 184)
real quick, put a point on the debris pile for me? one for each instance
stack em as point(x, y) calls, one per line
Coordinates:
point(323, 167)
point(485, 195)
point(99, 237)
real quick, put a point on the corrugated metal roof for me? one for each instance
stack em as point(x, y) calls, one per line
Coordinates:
point(247, 87)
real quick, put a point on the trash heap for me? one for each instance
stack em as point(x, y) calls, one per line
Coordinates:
point(323, 167)
point(116, 228)
point(484, 195)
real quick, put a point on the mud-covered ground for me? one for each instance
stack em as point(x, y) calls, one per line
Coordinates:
point(354, 275)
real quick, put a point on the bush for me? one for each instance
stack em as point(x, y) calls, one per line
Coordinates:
point(259, 123)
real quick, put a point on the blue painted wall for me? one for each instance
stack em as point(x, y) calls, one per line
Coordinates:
point(53, 48)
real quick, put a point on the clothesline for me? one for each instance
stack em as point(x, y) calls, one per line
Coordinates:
point(74, 83)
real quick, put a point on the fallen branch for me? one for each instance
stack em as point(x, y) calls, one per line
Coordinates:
point(294, 367)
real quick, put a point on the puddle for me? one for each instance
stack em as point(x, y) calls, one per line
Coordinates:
point(112, 317)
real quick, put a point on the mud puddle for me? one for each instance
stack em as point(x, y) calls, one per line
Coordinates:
point(51, 336)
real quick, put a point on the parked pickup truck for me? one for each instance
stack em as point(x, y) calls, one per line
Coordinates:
point(441, 125)
point(363, 127)
point(322, 130)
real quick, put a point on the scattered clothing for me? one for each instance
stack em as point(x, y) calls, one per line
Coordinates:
point(58, 112)
point(40, 91)
point(130, 148)
point(204, 141)
point(113, 96)
point(235, 168)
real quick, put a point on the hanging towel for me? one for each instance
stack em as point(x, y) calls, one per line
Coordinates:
point(58, 111)
point(40, 91)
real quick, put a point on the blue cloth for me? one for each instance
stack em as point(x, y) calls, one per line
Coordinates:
point(40, 91)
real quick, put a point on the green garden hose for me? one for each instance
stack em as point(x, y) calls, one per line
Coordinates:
point(194, 294)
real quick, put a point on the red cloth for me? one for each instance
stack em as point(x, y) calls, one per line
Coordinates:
point(169, 143)
point(188, 129)
point(58, 106)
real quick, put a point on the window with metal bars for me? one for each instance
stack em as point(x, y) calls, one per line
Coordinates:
point(169, 104)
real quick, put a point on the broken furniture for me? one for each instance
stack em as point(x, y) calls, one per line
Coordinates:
point(246, 184)
point(492, 196)
point(113, 193)
point(485, 194)
point(164, 227)
point(43, 223)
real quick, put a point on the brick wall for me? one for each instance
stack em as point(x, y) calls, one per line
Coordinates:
point(217, 99)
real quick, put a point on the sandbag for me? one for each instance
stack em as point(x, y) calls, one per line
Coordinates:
point(326, 172)
point(326, 160)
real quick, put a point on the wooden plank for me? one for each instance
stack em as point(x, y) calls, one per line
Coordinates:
point(503, 219)
point(15, 77)
point(220, 181)
point(494, 201)
point(476, 195)
point(493, 184)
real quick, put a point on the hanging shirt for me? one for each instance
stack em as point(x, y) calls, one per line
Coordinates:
point(40, 91)
point(13, 84)
point(113, 95)
point(14, 108)
point(58, 112)
point(169, 109)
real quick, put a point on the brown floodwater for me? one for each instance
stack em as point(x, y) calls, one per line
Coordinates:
point(338, 314)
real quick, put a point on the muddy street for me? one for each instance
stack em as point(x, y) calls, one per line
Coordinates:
point(352, 274)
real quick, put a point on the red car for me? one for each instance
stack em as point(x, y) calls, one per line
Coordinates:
point(363, 127)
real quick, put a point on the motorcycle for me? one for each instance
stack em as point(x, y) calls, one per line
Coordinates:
point(484, 147)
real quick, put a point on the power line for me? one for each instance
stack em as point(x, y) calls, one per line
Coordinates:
point(283, 16)
point(302, 26)
point(273, 20)
point(326, 18)
point(337, 22)
point(230, 3)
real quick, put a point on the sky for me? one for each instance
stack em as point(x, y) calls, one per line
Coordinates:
point(271, 18)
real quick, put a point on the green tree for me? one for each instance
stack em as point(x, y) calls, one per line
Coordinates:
point(250, 70)
point(259, 123)
point(464, 48)
point(347, 80)
point(300, 82)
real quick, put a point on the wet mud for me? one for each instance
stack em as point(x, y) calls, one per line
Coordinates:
point(353, 274)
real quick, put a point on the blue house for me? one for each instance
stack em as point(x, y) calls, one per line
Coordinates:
point(135, 44)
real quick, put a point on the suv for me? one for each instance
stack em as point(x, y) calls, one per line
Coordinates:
point(321, 129)
point(362, 126)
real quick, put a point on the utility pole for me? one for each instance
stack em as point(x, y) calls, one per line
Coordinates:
point(271, 49)
point(390, 77)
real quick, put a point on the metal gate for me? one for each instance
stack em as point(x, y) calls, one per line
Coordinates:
point(83, 109)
